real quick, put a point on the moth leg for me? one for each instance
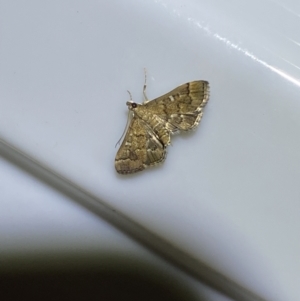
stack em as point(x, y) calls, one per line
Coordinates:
point(145, 86)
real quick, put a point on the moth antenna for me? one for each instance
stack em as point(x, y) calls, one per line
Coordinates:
point(126, 127)
point(129, 94)
point(145, 86)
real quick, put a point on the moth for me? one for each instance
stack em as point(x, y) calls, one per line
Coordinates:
point(153, 122)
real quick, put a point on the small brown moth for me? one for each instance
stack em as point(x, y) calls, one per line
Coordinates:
point(152, 122)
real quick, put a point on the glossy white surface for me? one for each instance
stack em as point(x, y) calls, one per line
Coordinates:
point(41, 228)
point(228, 194)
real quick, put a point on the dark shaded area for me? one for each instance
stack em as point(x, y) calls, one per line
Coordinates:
point(107, 279)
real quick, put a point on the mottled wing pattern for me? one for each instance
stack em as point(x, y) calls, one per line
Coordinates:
point(140, 148)
point(181, 108)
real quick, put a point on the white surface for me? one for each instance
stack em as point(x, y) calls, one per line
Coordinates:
point(228, 193)
point(50, 230)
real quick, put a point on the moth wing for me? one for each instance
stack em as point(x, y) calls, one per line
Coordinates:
point(140, 149)
point(181, 108)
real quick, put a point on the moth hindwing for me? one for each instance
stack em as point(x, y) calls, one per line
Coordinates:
point(153, 122)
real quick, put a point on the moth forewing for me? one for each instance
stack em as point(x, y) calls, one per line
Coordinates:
point(140, 148)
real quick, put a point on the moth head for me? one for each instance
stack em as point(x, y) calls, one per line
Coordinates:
point(131, 105)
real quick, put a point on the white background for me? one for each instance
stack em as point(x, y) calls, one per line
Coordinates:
point(228, 193)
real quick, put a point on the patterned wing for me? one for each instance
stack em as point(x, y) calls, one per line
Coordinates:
point(139, 149)
point(181, 108)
